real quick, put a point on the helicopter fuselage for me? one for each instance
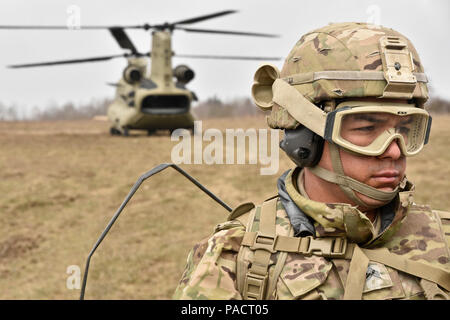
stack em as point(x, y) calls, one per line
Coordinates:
point(138, 107)
point(154, 102)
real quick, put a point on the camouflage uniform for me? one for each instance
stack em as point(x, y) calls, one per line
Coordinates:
point(349, 45)
point(407, 229)
point(404, 254)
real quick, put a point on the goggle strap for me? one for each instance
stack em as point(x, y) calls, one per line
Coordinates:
point(299, 107)
point(427, 134)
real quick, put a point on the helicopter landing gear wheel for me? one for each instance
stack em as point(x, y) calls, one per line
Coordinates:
point(114, 131)
point(151, 132)
point(125, 132)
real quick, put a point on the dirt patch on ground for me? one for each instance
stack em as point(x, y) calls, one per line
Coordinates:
point(18, 245)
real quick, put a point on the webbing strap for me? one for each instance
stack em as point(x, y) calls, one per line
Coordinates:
point(416, 268)
point(257, 275)
point(356, 278)
point(443, 214)
point(339, 170)
point(332, 247)
point(241, 268)
point(355, 185)
point(442, 217)
point(299, 107)
point(338, 248)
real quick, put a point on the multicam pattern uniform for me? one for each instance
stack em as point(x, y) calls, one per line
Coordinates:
point(340, 46)
point(416, 232)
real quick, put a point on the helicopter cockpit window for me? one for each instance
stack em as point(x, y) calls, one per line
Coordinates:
point(165, 104)
point(148, 84)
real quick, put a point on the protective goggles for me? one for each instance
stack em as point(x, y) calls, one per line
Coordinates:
point(369, 128)
point(362, 127)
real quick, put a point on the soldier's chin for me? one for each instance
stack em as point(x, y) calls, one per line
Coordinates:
point(370, 202)
point(387, 188)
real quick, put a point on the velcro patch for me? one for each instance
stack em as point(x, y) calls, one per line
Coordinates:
point(377, 277)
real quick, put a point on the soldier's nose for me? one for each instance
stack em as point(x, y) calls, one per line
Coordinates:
point(393, 151)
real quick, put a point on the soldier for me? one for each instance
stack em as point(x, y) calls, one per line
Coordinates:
point(343, 225)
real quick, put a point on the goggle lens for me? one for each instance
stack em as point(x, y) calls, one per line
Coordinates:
point(370, 133)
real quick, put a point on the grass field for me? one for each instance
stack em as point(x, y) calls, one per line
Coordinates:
point(61, 182)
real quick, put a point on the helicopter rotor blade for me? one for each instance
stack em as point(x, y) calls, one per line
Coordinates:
point(113, 84)
point(34, 27)
point(145, 26)
point(125, 42)
point(122, 39)
point(81, 27)
point(50, 27)
point(203, 56)
point(238, 33)
point(204, 17)
point(52, 63)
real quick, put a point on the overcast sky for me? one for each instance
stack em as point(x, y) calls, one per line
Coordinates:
point(425, 23)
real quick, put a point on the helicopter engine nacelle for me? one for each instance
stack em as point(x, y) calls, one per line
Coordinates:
point(132, 75)
point(183, 73)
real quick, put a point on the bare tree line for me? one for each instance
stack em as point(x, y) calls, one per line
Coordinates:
point(438, 106)
point(68, 111)
point(215, 108)
point(210, 108)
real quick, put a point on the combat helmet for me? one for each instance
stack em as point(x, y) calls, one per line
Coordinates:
point(319, 85)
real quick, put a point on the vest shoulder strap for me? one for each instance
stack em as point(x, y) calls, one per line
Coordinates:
point(256, 278)
point(256, 274)
point(443, 214)
point(444, 219)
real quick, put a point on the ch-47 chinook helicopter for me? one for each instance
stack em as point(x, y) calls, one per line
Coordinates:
point(151, 101)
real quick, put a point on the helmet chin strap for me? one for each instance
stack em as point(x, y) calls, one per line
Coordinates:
point(350, 185)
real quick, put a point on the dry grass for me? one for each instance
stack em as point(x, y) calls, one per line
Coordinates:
point(61, 183)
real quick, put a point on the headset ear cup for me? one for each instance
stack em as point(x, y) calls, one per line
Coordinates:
point(302, 146)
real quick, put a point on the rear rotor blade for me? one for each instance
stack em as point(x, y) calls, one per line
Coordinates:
point(202, 56)
point(52, 63)
point(122, 39)
point(238, 33)
point(204, 17)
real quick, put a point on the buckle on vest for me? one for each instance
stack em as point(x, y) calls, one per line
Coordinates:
point(264, 242)
point(330, 247)
point(254, 286)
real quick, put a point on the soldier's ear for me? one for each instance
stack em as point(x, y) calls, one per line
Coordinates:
point(262, 86)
